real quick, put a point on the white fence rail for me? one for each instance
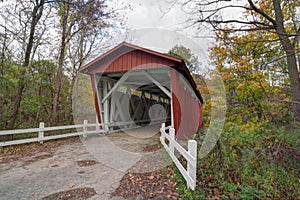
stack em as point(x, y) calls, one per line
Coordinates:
point(189, 174)
point(42, 129)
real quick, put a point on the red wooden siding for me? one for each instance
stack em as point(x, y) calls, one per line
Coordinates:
point(134, 60)
point(186, 110)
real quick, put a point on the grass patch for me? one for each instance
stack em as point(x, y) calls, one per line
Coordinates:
point(262, 163)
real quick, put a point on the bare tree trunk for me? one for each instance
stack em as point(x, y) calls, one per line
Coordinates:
point(60, 64)
point(17, 104)
point(294, 78)
point(290, 57)
point(36, 15)
point(3, 58)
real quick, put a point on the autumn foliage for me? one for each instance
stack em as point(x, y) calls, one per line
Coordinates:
point(257, 155)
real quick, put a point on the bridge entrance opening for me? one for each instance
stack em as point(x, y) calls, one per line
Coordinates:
point(134, 98)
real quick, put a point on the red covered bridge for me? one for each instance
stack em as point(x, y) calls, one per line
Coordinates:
point(135, 86)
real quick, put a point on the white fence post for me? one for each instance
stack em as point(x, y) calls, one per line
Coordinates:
point(41, 131)
point(85, 123)
point(172, 135)
point(192, 164)
point(162, 130)
point(97, 124)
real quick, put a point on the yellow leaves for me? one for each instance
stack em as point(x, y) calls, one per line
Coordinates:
point(227, 76)
point(249, 73)
point(203, 89)
point(222, 52)
point(206, 124)
point(250, 126)
point(265, 84)
point(240, 87)
point(244, 66)
point(234, 141)
point(257, 75)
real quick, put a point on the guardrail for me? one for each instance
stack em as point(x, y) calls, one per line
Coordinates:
point(42, 129)
point(190, 155)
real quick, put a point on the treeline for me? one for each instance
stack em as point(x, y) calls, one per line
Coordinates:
point(43, 44)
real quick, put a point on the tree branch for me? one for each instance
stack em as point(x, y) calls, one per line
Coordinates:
point(285, 101)
point(265, 15)
point(235, 21)
point(224, 7)
point(207, 3)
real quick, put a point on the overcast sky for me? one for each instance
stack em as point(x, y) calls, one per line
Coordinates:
point(153, 13)
point(152, 24)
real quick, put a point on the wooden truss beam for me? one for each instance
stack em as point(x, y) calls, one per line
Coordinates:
point(166, 91)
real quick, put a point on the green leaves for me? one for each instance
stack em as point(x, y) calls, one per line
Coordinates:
point(37, 98)
point(185, 54)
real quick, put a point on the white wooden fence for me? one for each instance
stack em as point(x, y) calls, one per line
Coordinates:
point(42, 129)
point(190, 155)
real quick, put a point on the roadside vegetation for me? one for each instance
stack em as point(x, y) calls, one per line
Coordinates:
point(249, 163)
point(258, 153)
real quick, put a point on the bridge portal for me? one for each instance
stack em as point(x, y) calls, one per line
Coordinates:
point(135, 86)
